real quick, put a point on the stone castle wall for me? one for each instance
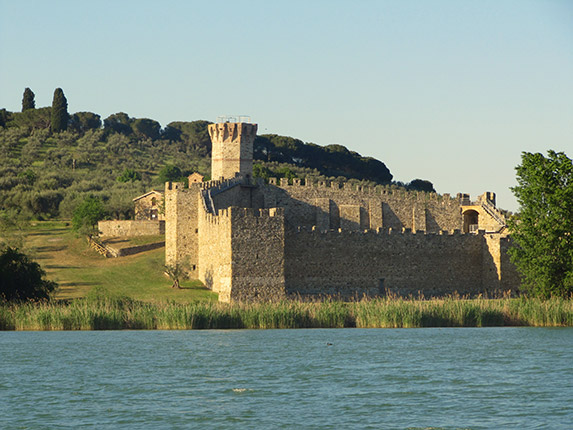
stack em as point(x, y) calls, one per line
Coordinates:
point(181, 230)
point(258, 247)
point(118, 228)
point(353, 264)
point(214, 253)
point(241, 254)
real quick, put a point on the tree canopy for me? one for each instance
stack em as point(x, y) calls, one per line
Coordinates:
point(543, 230)
point(87, 214)
point(60, 116)
point(22, 279)
point(28, 100)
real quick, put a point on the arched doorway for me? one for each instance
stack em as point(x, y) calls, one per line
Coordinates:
point(471, 221)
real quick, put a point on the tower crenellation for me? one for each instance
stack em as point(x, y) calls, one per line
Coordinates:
point(232, 149)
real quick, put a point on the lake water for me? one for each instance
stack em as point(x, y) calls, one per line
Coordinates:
point(487, 378)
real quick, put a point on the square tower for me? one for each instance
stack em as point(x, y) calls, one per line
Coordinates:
point(232, 149)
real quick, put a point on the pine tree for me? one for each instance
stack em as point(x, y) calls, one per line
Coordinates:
point(60, 116)
point(28, 100)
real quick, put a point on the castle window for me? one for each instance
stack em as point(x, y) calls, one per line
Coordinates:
point(153, 201)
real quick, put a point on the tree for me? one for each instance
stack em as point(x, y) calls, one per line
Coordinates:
point(543, 230)
point(119, 123)
point(129, 175)
point(176, 273)
point(28, 100)
point(84, 121)
point(420, 185)
point(22, 279)
point(60, 116)
point(87, 214)
point(169, 173)
point(145, 127)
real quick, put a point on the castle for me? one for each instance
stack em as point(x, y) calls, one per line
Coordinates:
point(248, 240)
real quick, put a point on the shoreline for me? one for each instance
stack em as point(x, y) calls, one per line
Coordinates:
point(123, 313)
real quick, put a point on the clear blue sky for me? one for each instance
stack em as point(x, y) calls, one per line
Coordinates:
point(445, 90)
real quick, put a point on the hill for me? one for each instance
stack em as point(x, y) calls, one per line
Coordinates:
point(44, 173)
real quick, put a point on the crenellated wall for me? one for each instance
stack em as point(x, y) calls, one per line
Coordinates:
point(333, 206)
point(251, 241)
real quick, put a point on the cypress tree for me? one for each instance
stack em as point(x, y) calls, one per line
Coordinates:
point(28, 100)
point(60, 115)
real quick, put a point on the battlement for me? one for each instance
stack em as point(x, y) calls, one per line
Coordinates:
point(235, 213)
point(378, 190)
point(172, 186)
point(384, 232)
point(230, 132)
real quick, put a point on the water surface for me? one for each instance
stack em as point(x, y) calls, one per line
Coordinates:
point(451, 378)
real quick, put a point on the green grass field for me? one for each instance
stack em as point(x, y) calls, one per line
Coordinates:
point(68, 260)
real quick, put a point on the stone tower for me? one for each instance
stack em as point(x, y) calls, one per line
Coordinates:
point(232, 151)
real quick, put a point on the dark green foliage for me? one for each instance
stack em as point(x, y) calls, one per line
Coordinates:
point(4, 117)
point(543, 230)
point(170, 173)
point(29, 175)
point(31, 119)
point(260, 171)
point(60, 116)
point(22, 279)
point(420, 185)
point(119, 123)
point(129, 175)
point(84, 121)
point(146, 128)
point(44, 202)
point(28, 100)
point(193, 135)
point(87, 214)
point(331, 160)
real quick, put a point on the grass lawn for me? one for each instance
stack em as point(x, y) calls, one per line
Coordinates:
point(77, 268)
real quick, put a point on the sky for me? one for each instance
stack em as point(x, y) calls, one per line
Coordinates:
point(445, 90)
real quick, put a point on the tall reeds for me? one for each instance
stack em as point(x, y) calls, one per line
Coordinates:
point(101, 311)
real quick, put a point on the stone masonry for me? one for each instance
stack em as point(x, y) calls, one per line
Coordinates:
point(248, 240)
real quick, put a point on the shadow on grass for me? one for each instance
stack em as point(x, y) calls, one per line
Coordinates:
point(77, 284)
point(48, 233)
point(50, 248)
point(55, 266)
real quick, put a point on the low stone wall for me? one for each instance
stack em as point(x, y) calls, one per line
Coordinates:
point(122, 252)
point(131, 228)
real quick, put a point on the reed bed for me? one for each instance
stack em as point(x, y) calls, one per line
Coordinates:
point(106, 312)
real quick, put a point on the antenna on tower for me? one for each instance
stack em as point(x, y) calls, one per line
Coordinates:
point(234, 118)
